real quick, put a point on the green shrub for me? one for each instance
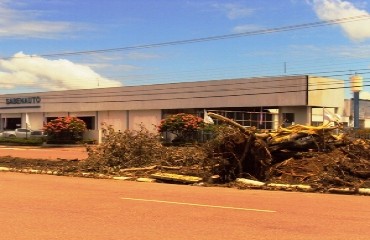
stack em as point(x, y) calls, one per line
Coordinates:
point(184, 126)
point(131, 148)
point(65, 130)
point(21, 141)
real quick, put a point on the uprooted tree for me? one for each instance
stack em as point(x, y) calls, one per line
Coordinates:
point(251, 153)
point(296, 154)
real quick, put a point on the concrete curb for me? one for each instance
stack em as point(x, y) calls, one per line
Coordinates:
point(250, 182)
point(342, 190)
point(244, 181)
point(290, 186)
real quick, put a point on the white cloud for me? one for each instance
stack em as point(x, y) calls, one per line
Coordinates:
point(18, 23)
point(341, 52)
point(335, 9)
point(233, 11)
point(24, 70)
point(120, 68)
point(246, 28)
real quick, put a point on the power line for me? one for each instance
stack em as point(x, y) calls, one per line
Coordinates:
point(265, 31)
point(213, 38)
point(245, 72)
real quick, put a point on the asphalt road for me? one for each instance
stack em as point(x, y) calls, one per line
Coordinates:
point(50, 207)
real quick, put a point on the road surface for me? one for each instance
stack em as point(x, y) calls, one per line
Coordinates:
point(38, 207)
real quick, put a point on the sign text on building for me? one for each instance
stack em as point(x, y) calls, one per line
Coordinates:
point(24, 100)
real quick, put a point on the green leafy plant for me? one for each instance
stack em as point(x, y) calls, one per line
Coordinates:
point(140, 148)
point(69, 129)
point(130, 148)
point(21, 141)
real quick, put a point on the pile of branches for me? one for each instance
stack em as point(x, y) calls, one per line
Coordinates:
point(296, 154)
point(140, 153)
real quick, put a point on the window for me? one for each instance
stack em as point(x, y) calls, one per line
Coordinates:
point(89, 121)
point(11, 123)
point(288, 118)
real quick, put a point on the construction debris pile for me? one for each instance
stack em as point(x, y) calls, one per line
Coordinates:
point(316, 156)
point(296, 155)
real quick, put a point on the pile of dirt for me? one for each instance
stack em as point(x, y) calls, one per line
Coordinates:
point(339, 168)
point(58, 166)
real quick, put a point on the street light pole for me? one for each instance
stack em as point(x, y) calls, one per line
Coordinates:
point(356, 86)
point(356, 110)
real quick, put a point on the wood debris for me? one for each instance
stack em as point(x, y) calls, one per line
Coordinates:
point(296, 154)
point(176, 177)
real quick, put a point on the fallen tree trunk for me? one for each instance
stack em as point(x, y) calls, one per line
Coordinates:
point(176, 177)
point(245, 154)
point(138, 169)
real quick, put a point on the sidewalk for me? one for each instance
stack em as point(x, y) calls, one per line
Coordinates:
point(45, 152)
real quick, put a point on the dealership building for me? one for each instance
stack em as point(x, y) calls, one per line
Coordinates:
point(265, 102)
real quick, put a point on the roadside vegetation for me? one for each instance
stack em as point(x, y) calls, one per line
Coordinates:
point(141, 152)
point(298, 154)
point(21, 141)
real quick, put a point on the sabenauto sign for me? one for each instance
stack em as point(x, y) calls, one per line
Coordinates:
point(24, 100)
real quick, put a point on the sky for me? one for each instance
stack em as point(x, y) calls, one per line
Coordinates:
point(48, 45)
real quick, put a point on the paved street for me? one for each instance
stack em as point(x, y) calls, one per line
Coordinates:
point(50, 207)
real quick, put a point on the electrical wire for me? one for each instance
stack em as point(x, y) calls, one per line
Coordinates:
point(217, 75)
point(212, 38)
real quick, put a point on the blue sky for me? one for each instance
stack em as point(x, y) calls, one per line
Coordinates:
point(36, 34)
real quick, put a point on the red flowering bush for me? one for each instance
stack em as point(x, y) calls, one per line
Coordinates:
point(182, 125)
point(65, 128)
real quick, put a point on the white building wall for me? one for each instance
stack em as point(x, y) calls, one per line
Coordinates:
point(11, 115)
point(302, 114)
point(56, 114)
point(118, 119)
point(82, 114)
point(325, 92)
point(367, 123)
point(36, 120)
point(149, 119)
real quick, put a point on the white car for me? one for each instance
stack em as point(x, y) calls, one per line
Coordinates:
point(24, 133)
